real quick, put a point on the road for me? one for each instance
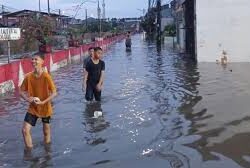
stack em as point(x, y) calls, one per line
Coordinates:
point(159, 110)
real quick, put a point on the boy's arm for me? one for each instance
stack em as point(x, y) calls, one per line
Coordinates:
point(25, 96)
point(23, 91)
point(101, 79)
point(86, 74)
point(84, 65)
point(52, 96)
point(99, 85)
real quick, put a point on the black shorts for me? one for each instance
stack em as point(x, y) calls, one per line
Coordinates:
point(92, 92)
point(32, 119)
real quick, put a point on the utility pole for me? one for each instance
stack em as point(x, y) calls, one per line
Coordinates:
point(103, 10)
point(60, 18)
point(3, 15)
point(100, 27)
point(39, 5)
point(149, 5)
point(48, 8)
point(99, 18)
point(149, 16)
point(86, 20)
point(158, 7)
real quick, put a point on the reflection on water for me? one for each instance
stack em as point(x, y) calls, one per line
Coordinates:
point(159, 110)
point(42, 161)
point(94, 125)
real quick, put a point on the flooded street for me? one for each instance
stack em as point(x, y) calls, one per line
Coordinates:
point(159, 110)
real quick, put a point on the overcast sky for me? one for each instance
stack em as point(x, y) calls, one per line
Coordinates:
point(114, 8)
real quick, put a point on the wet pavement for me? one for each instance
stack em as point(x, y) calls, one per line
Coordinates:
point(159, 110)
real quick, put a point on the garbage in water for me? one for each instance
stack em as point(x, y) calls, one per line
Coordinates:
point(97, 114)
point(147, 151)
point(67, 151)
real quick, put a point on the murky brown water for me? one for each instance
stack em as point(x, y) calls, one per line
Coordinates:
point(160, 110)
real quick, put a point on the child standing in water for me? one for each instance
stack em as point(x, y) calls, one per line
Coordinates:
point(94, 76)
point(128, 41)
point(85, 62)
point(38, 89)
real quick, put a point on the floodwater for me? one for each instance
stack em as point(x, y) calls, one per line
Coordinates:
point(159, 110)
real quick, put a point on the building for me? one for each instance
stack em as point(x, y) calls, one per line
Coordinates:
point(166, 16)
point(185, 28)
point(206, 28)
point(12, 19)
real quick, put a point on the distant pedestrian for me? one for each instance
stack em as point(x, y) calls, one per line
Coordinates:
point(94, 76)
point(38, 89)
point(128, 42)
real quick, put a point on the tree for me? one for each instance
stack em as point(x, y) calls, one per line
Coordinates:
point(36, 28)
point(148, 24)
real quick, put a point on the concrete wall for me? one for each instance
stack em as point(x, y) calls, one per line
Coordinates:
point(223, 25)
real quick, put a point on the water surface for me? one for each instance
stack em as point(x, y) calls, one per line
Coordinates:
point(159, 110)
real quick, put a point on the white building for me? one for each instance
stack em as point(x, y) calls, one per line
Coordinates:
point(214, 26)
point(166, 17)
point(223, 25)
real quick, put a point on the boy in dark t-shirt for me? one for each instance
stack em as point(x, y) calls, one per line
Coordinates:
point(85, 62)
point(94, 76)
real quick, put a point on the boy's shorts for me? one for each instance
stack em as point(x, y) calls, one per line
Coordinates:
point(32, 119)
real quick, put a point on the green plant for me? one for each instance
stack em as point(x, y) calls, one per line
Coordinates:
point(36, 29)
point(48, 40)
point(170, 30)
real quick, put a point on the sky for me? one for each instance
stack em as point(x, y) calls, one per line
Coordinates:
point(114, 8)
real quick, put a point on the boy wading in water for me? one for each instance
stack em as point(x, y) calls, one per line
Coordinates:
point(38, 89)
point(94, 76)
point(86, 60)
point(128, 41)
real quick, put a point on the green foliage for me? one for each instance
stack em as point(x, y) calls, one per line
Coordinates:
point(170, 30)
point(95, 27)
point(148, 24)
point(36, 28)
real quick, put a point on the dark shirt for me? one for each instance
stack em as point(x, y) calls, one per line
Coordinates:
point(94, 71)
point(85, 61)
point(128, 42)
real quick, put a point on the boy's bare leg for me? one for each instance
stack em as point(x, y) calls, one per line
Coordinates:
point(26, 130)
point(46, 133)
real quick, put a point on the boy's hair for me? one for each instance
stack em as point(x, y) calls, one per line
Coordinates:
point(97, 49)
point(39, 54)
point(91, 48)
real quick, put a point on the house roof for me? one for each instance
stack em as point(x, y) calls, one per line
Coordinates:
point(29, 12)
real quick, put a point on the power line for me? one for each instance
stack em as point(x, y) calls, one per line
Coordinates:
point(7, 8)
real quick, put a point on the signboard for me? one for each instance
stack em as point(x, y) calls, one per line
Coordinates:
point(10, 34)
